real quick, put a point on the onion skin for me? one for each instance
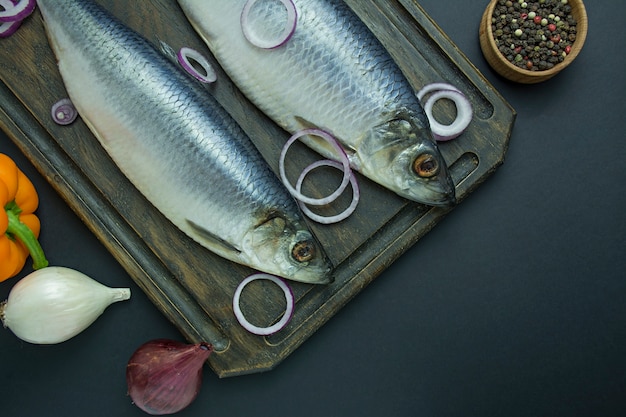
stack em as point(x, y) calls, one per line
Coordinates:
point(164, 376)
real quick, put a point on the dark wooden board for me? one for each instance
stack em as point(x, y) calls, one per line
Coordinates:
point(190, 285)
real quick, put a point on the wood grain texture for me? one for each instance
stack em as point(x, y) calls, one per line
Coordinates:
point(189, 284)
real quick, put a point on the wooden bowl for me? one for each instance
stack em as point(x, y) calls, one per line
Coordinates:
point(514, 73)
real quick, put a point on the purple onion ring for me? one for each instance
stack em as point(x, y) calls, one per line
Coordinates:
point(464, 111)
point(63, 112)
point(463, 118)
point(338, 217)
point(8, 28)
point(342, 157)
point(186, 53)
point(285, 35)
point(429, 88)
point(264, 331)
point(16, 11)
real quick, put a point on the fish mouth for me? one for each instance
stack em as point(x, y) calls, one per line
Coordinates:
point(451, 201)
point(447, 200)
point(323, 278)
point(433, 196)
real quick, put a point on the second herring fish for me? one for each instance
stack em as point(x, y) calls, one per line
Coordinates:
point(335, 75)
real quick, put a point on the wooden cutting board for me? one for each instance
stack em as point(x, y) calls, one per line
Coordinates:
point(190, 285)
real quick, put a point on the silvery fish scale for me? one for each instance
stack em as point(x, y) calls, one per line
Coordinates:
point(177, 145)
point(332, 74)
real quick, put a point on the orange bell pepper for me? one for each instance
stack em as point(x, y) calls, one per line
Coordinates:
point(19, 226)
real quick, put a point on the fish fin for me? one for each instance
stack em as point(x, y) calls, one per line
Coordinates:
point(319, 144)
point(303, 123)
point(216, 243)
point(166, 50)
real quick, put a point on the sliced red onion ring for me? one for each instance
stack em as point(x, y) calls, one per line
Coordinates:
point(16, 11)
point(63, 112)
point(338, 217)
point(9, 28)
point(274, 41)
point(185, 54)
point(264, 331)
point(429, 88)
point(463, 115)
point(342, 156)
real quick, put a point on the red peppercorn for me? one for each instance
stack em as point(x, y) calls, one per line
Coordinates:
point(556, 38)
point(524, 16)
point(552, 27)
point(518, 49)
point(568, 49)
point(537, 19)
point(529, 64)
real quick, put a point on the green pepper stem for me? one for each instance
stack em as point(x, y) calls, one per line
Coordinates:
point(21, 232)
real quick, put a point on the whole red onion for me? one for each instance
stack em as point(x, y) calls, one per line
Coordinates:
point(164, 376)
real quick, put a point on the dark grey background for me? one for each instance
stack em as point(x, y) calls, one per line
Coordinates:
point(514, 305)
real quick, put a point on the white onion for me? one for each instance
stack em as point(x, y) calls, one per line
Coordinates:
point(338, 217)
point(264, 331)
point(268, 43)
point(464, 114)
point(16, 11)
point(342, 156)
point(186, 53)
point(54, 304)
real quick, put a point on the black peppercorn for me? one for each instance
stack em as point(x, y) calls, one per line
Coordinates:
point(534, 35)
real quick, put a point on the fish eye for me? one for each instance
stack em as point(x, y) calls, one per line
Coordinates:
point(303, 251)
point(426, 165)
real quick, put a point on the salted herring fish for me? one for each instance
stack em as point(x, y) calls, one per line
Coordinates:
point(178, 146)
point(335, 75)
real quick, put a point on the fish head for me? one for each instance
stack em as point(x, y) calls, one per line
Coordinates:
point(287, 248)
point(404, 146)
